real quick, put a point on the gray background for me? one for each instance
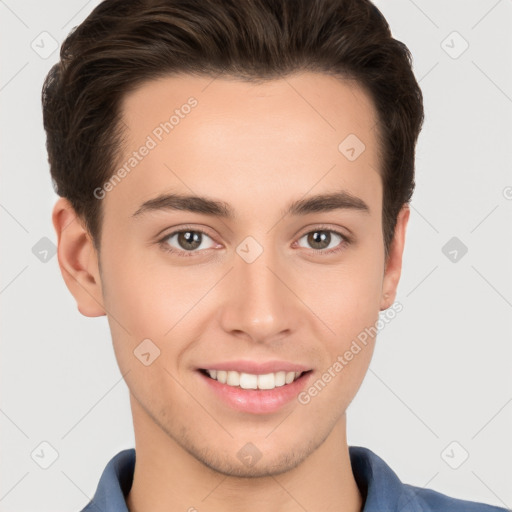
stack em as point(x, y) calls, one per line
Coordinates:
point(439, 387)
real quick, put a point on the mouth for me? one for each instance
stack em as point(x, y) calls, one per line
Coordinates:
point(251, 381)
point(258, 394)
point(253, 386)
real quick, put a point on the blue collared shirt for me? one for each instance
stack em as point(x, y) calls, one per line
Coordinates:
point(381, 489)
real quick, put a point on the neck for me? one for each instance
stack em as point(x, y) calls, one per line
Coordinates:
point(167, 477)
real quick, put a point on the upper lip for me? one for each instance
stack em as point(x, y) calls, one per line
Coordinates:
point(255, 367)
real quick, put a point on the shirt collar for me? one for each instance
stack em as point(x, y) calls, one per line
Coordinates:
point(380, 487)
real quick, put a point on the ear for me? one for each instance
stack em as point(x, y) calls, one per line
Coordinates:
point(78, 260)
point(394, 260)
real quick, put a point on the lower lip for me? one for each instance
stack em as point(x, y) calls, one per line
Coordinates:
point(257, 401)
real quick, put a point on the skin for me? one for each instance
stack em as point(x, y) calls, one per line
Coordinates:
point(256, 147)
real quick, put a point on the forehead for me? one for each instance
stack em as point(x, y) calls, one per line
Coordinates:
point(326, 102)
point(219, 136)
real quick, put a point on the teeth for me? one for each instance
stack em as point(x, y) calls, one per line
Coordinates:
point(280, 379)
point(251, 381)
point(233, 379)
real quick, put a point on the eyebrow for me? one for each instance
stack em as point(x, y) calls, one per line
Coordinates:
point(197, 204)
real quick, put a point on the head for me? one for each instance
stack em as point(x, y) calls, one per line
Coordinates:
point(256, 106)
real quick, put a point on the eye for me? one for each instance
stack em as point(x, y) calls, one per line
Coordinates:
point(326, 241)
point(187, 242)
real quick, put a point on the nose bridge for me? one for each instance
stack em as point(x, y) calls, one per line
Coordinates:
point(257, 303)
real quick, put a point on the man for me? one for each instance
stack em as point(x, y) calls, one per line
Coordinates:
point(235, 179)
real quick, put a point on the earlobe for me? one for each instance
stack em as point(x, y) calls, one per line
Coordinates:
point(78, 260)
point(394, 261)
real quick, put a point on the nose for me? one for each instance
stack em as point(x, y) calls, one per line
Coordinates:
point(259, 302)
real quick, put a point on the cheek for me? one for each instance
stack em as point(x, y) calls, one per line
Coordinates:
point(145, 295)
point(135, 306)
point(346, 298)
point(143, 307)
point(148, 299)
point(349, 305)
point(337, 383)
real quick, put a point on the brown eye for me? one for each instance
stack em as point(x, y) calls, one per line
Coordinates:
point(324, 240)
point(189, 240)
point(186, 240)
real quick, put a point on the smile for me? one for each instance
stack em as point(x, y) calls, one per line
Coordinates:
point(253, 381)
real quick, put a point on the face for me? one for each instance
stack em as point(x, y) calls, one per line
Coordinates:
point(256, 271)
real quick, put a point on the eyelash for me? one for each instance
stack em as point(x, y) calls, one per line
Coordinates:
point(182, 253)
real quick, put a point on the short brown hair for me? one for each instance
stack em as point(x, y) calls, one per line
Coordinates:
point(123, 43)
